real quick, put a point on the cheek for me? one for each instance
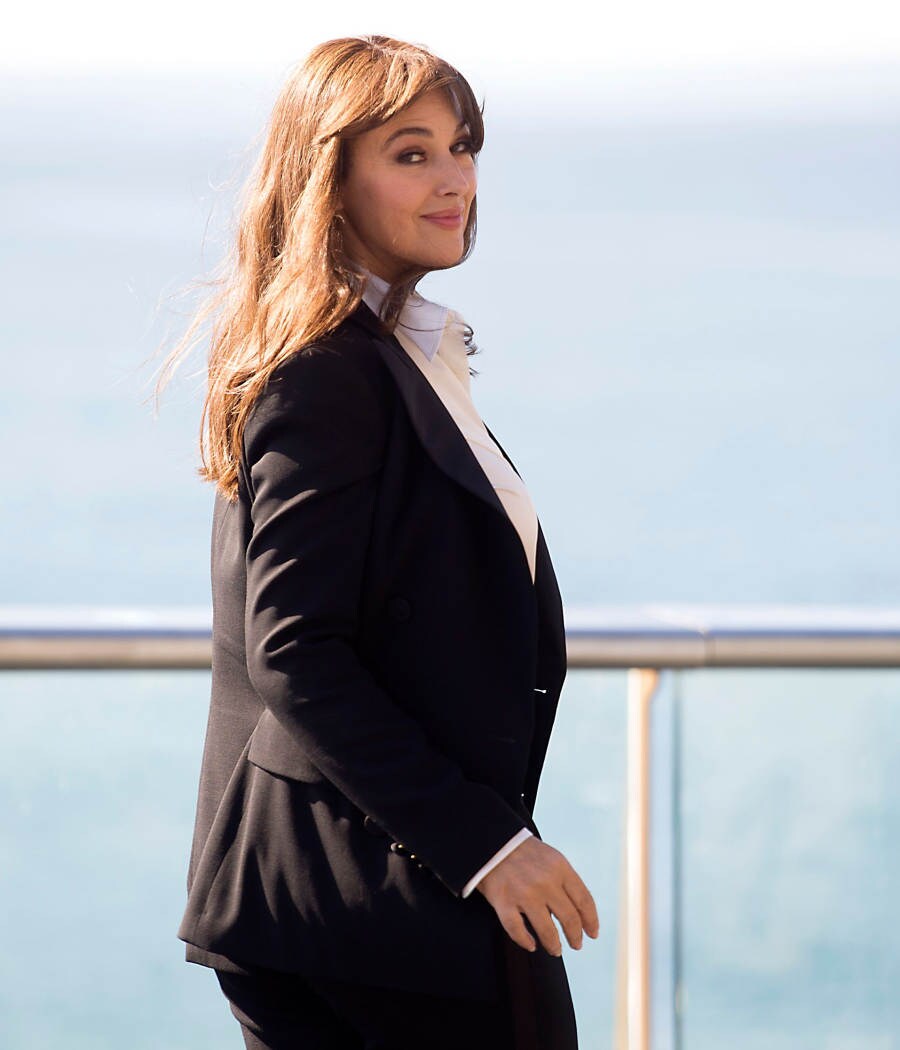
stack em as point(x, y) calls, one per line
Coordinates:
point(398, 199)
point(383, 203)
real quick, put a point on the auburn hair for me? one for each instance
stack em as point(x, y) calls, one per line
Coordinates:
point(285, 280)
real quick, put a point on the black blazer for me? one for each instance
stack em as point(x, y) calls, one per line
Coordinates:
point(385, 677)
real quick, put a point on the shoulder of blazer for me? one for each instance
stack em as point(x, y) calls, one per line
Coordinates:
point(337, 388)
point(349, 352)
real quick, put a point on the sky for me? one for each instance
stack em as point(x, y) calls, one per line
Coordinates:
point(693, 60)
point(564, 44)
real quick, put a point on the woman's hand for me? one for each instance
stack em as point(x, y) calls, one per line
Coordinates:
point(537, 880)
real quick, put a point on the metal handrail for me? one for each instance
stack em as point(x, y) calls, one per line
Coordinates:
point(647, 640)
point(606, 636)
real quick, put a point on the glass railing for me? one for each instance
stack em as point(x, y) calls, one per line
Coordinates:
point(721, 778)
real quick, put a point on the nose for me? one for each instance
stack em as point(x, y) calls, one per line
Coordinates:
point(456, 175)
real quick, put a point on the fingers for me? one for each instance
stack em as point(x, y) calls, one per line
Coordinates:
point(574, 913)
point(541, 918)
point(543, 925)
point(568, 899)
point(569, 918)
point(583, 902)
point(512, 921)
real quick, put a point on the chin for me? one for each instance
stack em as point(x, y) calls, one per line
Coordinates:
point(442, 261)
point(442, 264)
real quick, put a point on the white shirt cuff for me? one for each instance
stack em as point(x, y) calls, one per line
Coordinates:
point(501, 853)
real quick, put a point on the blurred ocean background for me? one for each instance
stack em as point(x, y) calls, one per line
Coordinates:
point(688, 322)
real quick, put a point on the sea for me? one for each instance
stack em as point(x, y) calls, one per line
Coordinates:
point(687, 320)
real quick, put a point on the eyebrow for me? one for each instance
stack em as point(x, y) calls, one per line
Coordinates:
point(415, 131)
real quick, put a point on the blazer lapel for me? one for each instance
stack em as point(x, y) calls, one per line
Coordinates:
point(435, 427)
point(448, 447)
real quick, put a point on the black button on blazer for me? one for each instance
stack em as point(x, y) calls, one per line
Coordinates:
point(385, 677)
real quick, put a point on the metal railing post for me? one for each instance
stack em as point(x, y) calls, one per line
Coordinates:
point(633, 1007)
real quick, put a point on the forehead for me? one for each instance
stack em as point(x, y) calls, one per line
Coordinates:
point(435, 106)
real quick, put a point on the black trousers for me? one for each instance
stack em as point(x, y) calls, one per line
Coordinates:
point(286, 1011)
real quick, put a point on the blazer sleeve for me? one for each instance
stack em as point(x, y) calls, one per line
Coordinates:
point(313, 452)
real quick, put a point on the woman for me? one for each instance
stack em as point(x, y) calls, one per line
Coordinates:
point(388, 644)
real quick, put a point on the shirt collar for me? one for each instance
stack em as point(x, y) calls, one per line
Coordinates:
point(421, 319)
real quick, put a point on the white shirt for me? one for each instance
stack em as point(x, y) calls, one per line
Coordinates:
point(432, 335)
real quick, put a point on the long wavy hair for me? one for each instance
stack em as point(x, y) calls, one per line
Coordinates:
point(286, 281)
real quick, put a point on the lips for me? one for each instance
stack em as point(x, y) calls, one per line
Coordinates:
point(448, 220)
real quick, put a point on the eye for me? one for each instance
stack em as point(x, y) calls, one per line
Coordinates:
point(468, 146)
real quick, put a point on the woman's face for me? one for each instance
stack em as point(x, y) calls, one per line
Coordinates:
point(401, 177)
